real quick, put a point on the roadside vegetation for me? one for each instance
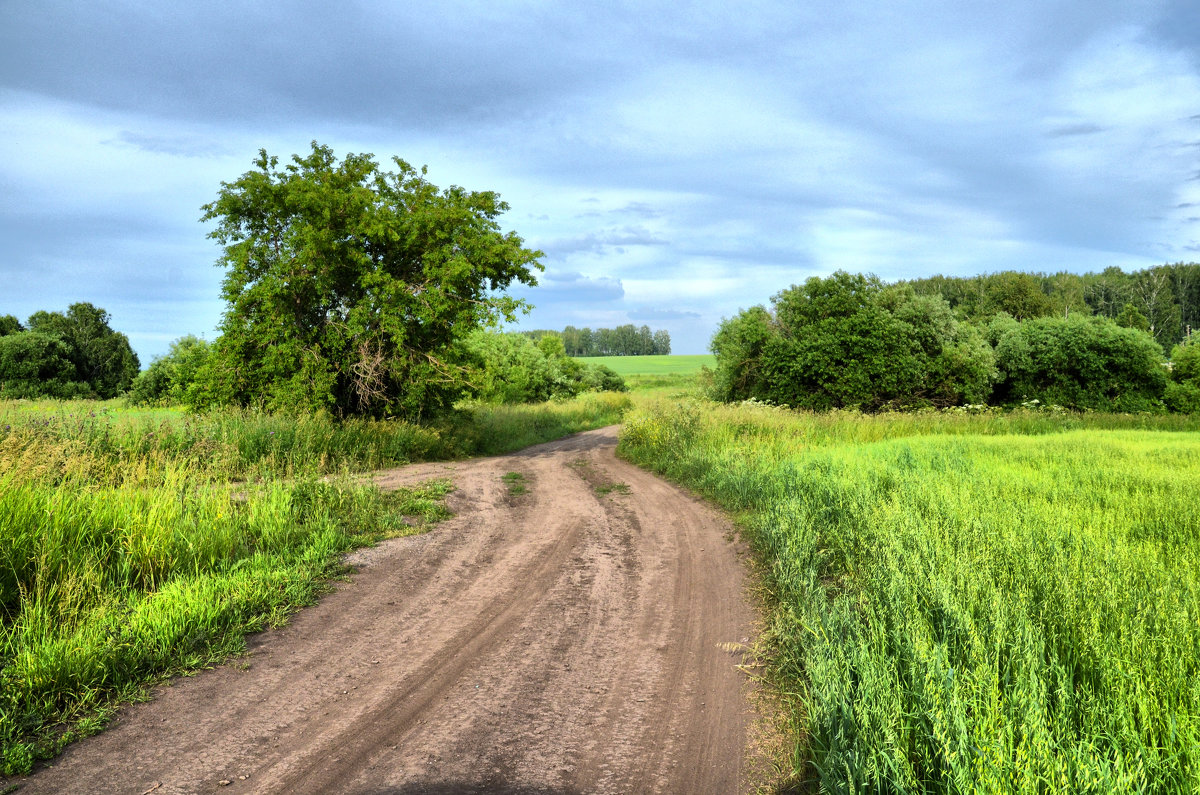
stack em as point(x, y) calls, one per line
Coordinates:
point(964, 600)
point(140, 543)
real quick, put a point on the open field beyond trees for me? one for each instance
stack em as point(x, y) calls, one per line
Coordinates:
point(991, 602)
point(654, 365)
point(141, 543)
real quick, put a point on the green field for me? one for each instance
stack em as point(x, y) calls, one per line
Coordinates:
point(139, 544)
point(653, 365)
point(1007, 602)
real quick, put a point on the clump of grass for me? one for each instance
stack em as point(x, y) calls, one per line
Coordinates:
point(1004, 602)
point(610, 488)
point(515, 482)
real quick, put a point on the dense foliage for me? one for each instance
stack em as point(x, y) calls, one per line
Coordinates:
point(171, 380)
point(348, 286)
point(76, 354)
point(849, 341)
point(965, 601)
point(511, 368)
point(1164, 300)
point(626, 340)
point(1183, 393)
point(1078, 361)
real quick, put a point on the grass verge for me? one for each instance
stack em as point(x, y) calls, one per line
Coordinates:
point(141, 544)
point(997, 603)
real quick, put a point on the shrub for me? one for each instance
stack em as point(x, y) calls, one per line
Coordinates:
point(1078, 362)
point(847, 341)
point(171, 379)
point(511, 368)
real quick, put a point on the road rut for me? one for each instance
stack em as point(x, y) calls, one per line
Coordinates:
point(571, 639)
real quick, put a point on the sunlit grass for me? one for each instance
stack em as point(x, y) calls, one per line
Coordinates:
point(140, 543)
point(654, 365)
point(1001, 602)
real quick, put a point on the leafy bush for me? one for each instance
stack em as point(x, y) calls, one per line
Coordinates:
point(1078, 362)
point(171, 380)
point(847, 341)
point(1183, 393)
point(511, 368)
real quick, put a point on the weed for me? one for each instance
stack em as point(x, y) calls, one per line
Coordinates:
point(610, 488)
point(516, 483)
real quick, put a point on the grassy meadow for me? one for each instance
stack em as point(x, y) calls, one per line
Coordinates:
point(995, 602)
point(142, 543)
point(664, 373)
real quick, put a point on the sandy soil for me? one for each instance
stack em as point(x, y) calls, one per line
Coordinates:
point(559, 641)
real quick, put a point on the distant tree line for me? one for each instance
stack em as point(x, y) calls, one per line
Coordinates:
point(851, 341)
point(64, 355)
point(626, 340)
point(1163, 300)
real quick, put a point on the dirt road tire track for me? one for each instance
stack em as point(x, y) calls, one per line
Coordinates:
point(559, 641)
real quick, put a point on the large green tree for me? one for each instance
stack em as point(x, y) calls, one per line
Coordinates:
point(34, 364)
point(350, 287)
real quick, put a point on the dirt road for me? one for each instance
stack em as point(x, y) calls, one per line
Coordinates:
point(570, 639)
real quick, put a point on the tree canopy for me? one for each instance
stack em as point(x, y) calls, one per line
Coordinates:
point(850, 341)
point(349, 288)
point(65, 355)
point(847, 341)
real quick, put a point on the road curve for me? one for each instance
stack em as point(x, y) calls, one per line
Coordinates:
point(571, 639)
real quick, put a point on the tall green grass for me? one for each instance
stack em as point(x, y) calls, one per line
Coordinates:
point(137, 544)
point(995, 603)
point(120, 444)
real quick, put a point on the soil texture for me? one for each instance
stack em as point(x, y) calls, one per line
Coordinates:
point(582, 636)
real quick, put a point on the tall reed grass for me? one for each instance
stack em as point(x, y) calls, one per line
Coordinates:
point(992, 603)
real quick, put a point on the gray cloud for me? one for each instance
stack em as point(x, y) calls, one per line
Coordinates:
point(598, 242)
point(726, 152)
point(1083, 128)
point(649, 313)
point(185, 146)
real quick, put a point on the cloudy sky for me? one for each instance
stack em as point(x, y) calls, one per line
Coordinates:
point(675, 162)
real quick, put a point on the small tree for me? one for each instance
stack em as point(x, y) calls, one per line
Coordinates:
point(1183, 393)
point(103, 358)
point(348, 286)
point(171, 379)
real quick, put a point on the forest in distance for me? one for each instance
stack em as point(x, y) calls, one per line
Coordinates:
point(852, 341)
point(625, 340)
